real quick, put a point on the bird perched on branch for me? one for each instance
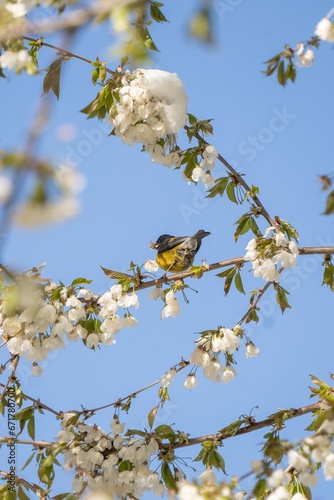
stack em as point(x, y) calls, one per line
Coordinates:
point(177, 253)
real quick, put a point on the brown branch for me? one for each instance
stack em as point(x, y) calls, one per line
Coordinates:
point(7, 272)
point(36, 444)
point(218, 265)
point(220, 436)
point(72, 20)
point(240, 181)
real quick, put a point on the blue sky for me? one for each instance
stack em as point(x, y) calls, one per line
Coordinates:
point(130, 201)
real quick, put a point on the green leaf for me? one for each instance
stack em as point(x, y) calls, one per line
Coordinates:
point(252, 316)
point(329, 204)
point(288, 229)
point(238, 283)
point(291, 71)
point(254, 227)
point(200, 26)
point(27, 462)
point(52, 78)
point(80, 281)
point(151, 416)
point(281, 298)
point(21, 494)
point(115, 275)
point(217, 461)
point(230, 191)
point(281, 77)
point(243, 226)
point(168, 477)
point(31, 427)
point(328, 275)
point(225, 273)
point(260, 489)
point(218, 188)
point(156, 13)
point(192, 119)
point(125, 465)
point(164, 432)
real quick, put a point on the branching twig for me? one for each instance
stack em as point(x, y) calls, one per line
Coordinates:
point(64, 51)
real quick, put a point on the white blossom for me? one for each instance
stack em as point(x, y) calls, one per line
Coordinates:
point(36, 214)
point(188, 491)
point(36, 370)
point(251, 350)
point(297, 461)
point(325, 30)
point(190, 382)
point(328, 466)
point(228, 374)
point(152, 104)
point(278, 477)
point(156, 293)
point(172, 307)
point(306, 58)
point(151, 266)
point(167, 378)
point(6, 188)
point(207, 477)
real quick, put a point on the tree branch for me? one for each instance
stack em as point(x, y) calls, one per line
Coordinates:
point(225, 263)
point(74, 19)
point(220, 436)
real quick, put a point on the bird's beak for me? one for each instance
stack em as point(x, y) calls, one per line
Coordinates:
point(154, 245)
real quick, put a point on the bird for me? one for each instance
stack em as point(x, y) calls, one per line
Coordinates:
point(177, 253)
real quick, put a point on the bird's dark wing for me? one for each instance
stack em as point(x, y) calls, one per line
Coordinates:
point(168, 242)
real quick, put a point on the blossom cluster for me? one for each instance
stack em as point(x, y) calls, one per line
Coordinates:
point(152, 108)
point(38, 210)
point(97, 458)
point(210, 346)
point(36, 319)
point(325, 31)
point(265, 254)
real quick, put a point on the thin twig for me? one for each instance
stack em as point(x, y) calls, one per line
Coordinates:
point(178, 367)
point(8, 273)
point(15, 360)
point(240, 181)
point(38, 403)
point(64, 51)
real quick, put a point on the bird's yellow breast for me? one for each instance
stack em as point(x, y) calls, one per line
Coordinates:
point(172, 260)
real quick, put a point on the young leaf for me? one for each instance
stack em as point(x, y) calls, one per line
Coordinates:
point(151, 416)
point(31, 427)
point(238, 283)
point(52, 78)
point(281, 298)
point(168, 477)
